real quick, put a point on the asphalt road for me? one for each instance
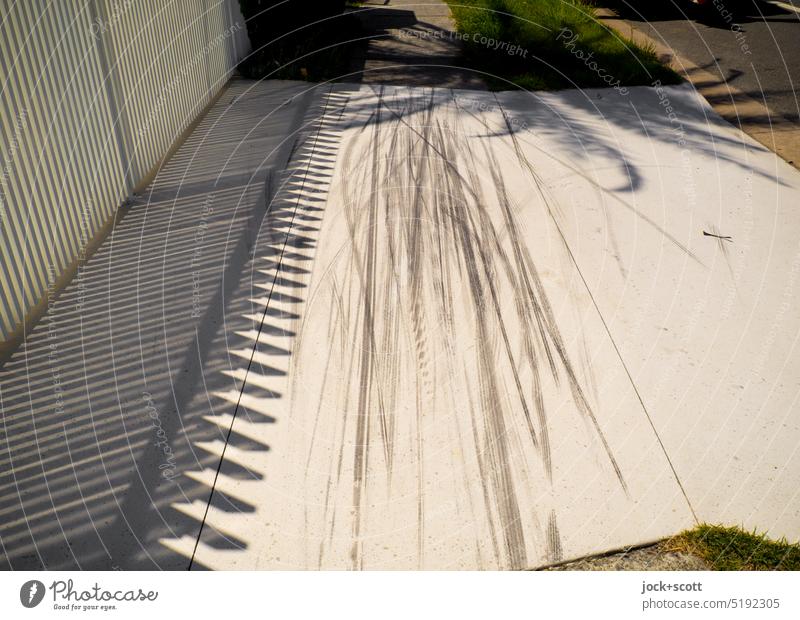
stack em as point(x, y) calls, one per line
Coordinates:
point(751, 44)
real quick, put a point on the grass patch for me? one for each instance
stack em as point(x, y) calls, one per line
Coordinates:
point(559, 43)
point(731, 548)
point(289, 44)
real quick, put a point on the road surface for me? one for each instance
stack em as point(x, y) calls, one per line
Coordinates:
point(752, 45)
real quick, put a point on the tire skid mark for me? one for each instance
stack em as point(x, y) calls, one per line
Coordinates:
point(575, 386)
point(528, 307)
point(366, 367)
point(468, 481)
point(467, 237)
point(343, 361)
point(554, 549)
point(486, 257)
point(422, 317)
point(487, 502)
point(327, 508)
point(419, 217)
point(494, 422)
point(545, 322)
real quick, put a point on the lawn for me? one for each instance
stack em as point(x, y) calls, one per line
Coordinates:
point(550, 44)
point(731, 548)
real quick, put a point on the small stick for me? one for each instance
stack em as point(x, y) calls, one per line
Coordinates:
point(708, 234)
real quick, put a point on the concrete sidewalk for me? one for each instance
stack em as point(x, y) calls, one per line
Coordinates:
point(100, 423)
point(379, 327)
point(518, 341)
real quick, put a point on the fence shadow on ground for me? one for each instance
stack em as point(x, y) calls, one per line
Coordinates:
point(119, 394)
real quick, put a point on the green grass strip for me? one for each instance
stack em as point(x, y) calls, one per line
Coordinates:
point(731, 548)
point(550, 44)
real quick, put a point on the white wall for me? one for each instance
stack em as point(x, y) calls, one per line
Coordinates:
point(92, 94)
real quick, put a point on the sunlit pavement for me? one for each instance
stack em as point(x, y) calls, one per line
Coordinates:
point(472, 330)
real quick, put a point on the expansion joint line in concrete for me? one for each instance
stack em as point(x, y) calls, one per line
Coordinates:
point(260, 327)
point(603, 320)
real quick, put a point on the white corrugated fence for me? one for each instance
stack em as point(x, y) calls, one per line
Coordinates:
point(93, 93)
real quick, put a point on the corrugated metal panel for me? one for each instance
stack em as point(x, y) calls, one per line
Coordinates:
point(92, 94)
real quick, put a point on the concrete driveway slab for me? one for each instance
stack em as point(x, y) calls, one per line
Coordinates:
point(525, 336)
point(437, 329)
point(685, 231)
point(452, 396)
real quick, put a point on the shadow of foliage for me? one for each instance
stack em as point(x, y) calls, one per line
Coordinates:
point(298, 39)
